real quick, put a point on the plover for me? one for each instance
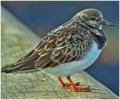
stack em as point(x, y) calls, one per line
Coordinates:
point(68, 49)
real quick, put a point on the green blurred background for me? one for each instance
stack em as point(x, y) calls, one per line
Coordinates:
point(42, 17)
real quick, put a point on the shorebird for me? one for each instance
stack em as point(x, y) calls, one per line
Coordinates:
point(68, 49)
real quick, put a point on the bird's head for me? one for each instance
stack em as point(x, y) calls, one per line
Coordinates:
point(93, 18)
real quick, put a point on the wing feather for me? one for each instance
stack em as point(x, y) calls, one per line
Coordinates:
point(62, 47)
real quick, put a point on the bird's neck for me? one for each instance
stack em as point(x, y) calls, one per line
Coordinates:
point(100, 40)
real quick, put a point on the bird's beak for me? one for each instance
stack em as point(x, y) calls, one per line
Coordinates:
point(105, 22)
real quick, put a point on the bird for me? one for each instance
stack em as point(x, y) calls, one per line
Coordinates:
point(68, 49)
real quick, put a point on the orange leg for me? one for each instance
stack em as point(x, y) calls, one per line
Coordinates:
point(77, 89)
point(64, 85)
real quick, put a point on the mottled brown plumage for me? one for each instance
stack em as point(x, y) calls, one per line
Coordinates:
point(65, 46)
point(69, 42)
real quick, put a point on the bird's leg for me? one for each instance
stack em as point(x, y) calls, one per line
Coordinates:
point(77, 89)
point(64, 85)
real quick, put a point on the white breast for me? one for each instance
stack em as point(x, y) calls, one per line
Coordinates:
point(76, 66)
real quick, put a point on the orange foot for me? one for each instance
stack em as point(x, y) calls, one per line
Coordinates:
point(73, 86)
point(81, 89)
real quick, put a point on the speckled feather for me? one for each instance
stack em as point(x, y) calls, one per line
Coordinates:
point(64, 46)
point(61, 46)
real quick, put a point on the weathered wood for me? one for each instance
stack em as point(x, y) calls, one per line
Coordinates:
point(18, 40)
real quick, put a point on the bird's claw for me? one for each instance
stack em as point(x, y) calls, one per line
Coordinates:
point(82, 89)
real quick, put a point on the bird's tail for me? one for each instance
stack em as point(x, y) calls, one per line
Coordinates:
point(25, 63)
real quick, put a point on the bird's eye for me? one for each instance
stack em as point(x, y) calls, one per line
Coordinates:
point(92, 18)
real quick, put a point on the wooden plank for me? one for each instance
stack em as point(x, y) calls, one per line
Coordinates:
point(17, 40)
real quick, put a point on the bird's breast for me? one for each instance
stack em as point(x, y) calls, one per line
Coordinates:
point(76, 66)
